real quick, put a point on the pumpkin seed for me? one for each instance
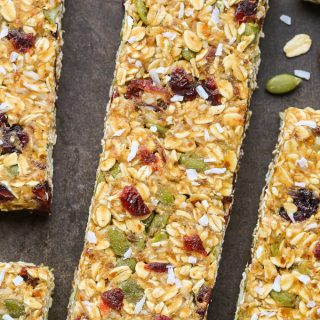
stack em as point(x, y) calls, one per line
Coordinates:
point(132, 291)
point(142, 10)
point(15, 307)
point(187, 54)
point(131, 263)
point(282, 83)
point(284, 299)
point(118, 241)
point(51, 15)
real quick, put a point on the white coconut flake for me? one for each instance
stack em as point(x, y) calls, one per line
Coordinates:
point(128, 254)
point(133, 151)
point(153, 128)
point(192, 174)
point(3, 70)
point(276, 284)
point(286, 19)
point(14, 56)
point(318, 311)
point(207, 160)
point(215, 171)
point(91, 237)
point(118, 133)
point(304, 279)
point(4, 32)
point(302, 163)
point(18, 281)
point(161, 70)
point(129, 22)
point(139, 305)
point(311, 226)
point(206, 135)
point(5, 106)
point(202, 93)
point(132, 40)
point(300, 184)
point(32, 75)
point(232, 41)
point(219, 128)
point(189, 12)
point(259, 291)
point(177, 98)
point(302, 74)
point(181, 11)
point(259, 252)
point(7, 317)
point(219, 50)
point(2, 274)
point(205, 203)
point(307, 123)
point(204, 220)
point(268, 314)
point(171, 276)
point(170, 35)
point(192, 260)
point(311, 304)
point(254, 317)
point(138, 64)
point(154, 76)
point(291, 217)
point(215, 16)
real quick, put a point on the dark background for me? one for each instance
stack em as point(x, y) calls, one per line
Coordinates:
point(91, 41)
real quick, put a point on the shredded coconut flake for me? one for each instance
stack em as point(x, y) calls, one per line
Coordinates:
point(302, 74)
point(4, 32)
point(216, 171)
point(171, 276)
point(17, 281)
point(14, 56)
point(302, 163)
point(7, 317)
point(132, 39)
point(133, 151)
point(192, 260)
point(176, 98)
point(286, 19)
point(307, 123)
point(259, 291)
point(127, 254)
point(170, 35)
point(210, 160)
point(206, 135)
point(139, 305)
point(311, 304)
point(2, 274)
point(5, 106)
point(311, 226)
point(189, 12)
point(192, 174)
point(254, 317)
point(268, 314)
point(215, 17)
point(219, 128)
point(91, 237)
point(304, 279)
point(3, 70)
point(276, 284)
point(118, 133)
point(130, 21)
point(181, 11)
point(154, 76)
point(259, 252)
point(138, 64)
point(204, 220)
point(291, 217)
point(202, 93)
point(205, 203)
point(219, 50)
point(300, 184)
point(154, 128)
point(232, 41)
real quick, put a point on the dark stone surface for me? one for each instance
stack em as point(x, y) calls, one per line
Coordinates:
point(91, 40)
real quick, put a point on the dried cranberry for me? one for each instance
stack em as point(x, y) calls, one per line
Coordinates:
point(132, 201)
point(246, 10)
point(147, 157)
point(21, 41)
point(211, 54)
point(212, 90)
point(33, 282)
point(202, 300)
point(194, 243)
point(13, 138)
point(82, 317)
point(183, 84)
point(158, 267)
point(43, 196)
point(316, 131)
point(113, 298)
point(5, 194)
point(316, 251)
point(160, 317)
point(306, 202)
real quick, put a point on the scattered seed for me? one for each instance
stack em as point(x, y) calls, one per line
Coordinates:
point(282, 83)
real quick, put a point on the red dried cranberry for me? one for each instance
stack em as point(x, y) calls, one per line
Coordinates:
point(212, 90)
point(113, 298)
point(42, 193)
point(194, 243)
point(5, 194)
point(82, 317)
point(211, 54)
point(132, 201)
point(183, 84)
point(316, 251)
point(158, 267)
point(147, 157)
point(306, 202)
point(204, 294)
point(246, 10)
point(316, 131)
point(160, 317)
point(21, 41)
point(28, 278)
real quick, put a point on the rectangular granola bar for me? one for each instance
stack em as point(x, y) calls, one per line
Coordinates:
point(25, 291)
point(30, 63)
point(282, 281)
point(176, 120)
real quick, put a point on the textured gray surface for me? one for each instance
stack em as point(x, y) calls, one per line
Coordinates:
point(91, 40)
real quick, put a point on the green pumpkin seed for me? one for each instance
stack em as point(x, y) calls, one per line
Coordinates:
point(51, 15)
point(159, 222)
point(193, 162)
point(14, 307)
point(132, 291)
point(14, 170)
point(282, 83)
point(160, 236)
point(284, 299)
point(115, 170)
point(142, 10)
point(161, 129)
point(118, 241)
point(131, 263)
point(165, 196)
point(251, 29)
point(304, 267)
point(187, 54)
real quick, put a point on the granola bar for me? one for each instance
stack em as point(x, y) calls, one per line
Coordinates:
point(30, 63)
point(176, 119)
point(282, 281)
point(25, 291)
